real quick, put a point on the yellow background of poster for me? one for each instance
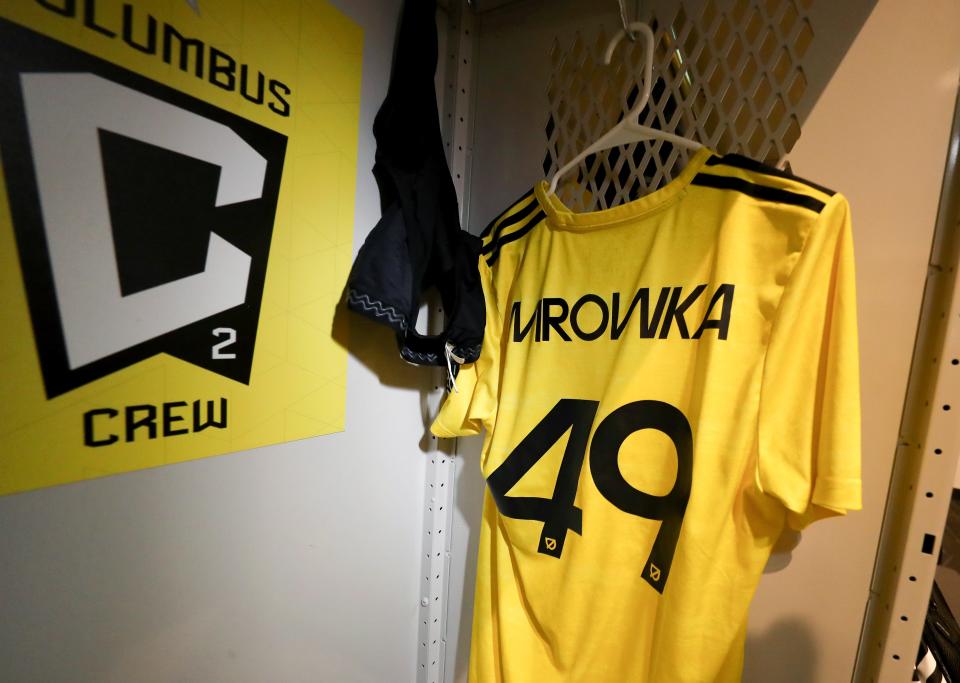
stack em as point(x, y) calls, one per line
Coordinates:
point(297, 385)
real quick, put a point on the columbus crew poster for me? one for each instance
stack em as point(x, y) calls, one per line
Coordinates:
point(176, 220)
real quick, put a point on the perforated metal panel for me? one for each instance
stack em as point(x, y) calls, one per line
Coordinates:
point(730, 75)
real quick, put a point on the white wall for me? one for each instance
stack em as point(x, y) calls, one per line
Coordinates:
point(296, 562)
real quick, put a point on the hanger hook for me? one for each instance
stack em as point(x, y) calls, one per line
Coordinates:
point(628, 130)
point(644, 30)
point(626, 24)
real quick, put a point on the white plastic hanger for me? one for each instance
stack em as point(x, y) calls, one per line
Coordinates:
point(628, 129)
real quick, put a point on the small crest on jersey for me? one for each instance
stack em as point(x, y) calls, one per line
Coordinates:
point(551, 543)
point(654, 572)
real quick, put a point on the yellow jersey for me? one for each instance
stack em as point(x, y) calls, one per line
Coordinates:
point(664, 386)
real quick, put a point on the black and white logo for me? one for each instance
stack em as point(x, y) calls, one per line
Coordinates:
point(143, 216)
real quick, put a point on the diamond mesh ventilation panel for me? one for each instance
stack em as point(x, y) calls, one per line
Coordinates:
point(730, 77)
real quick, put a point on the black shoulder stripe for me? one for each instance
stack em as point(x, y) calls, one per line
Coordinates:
point(515, 235)
point(748, 164)
point(491, 224)
point(518, 217)
point(770, 194)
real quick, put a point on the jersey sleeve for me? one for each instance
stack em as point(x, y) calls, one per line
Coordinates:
point(809, 415)
point(471, 406)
